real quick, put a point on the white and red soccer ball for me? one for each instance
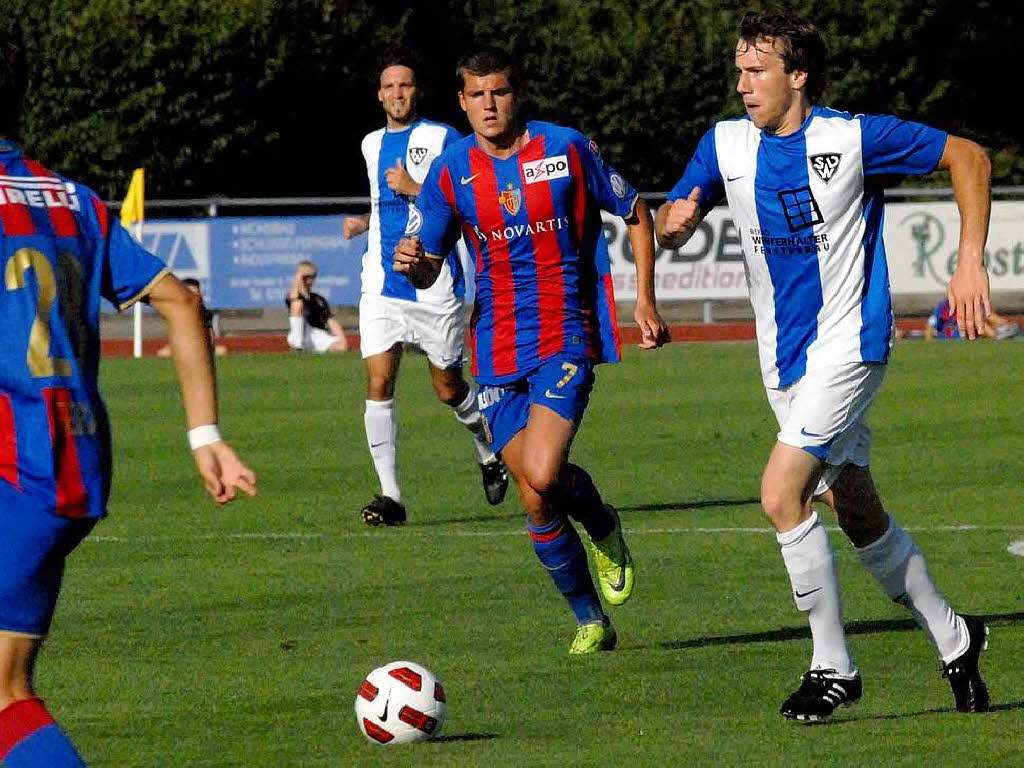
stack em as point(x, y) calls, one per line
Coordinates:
point(400, 703)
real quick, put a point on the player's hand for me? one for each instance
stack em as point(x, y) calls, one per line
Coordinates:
point(968, 294)
point(653, 331)
point(683, 215)
point(223, 473)
point(408, 254)
point(354, 225)
point(399, 180)
point(410, 258)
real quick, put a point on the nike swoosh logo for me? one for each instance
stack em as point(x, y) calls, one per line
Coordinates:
point(375, 445)
point(805, 433)
point(466, 181)
point(733, 178)
point(805, 594)
point(554, 396)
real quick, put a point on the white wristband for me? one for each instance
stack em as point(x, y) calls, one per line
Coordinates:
point(204, 435)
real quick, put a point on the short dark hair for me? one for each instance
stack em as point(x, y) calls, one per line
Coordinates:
point(13, 79)
point(397, 56)
point(487, 61)
point(191, 281)
point(797, 41)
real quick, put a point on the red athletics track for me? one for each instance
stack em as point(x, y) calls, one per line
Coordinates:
point(266, 342)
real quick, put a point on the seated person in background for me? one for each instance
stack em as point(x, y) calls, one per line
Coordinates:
point(209, 317)
point(942, 325)
point(311, 324)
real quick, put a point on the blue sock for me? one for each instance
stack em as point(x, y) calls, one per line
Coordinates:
point(29, 738)
point(560, 550)
point(581, 499)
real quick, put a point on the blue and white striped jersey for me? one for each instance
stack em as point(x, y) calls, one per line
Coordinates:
point(809, 209)
point(416, 146)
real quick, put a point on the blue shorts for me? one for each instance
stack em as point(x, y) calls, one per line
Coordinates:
point(562, 385)
point(33, 546)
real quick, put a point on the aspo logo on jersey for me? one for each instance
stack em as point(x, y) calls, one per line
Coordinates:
point(417, 154)
point(415, 222)
point(825, 165)
point(511, 199)
point(548, 169)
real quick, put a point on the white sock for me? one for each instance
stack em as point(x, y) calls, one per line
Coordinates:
point(468, 414)
point(382, 438)
point(296, 332)
point(899, 566)
point(812, 572)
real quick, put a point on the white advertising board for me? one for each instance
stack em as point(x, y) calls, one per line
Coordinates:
point(920, 242)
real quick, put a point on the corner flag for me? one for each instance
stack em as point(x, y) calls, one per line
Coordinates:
point(131, 209)
point(131, 219)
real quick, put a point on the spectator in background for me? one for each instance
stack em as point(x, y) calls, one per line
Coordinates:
point(209, 317)
point(942, 325)
point(311, 324)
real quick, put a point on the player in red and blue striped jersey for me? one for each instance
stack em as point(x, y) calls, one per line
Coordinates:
point(526, 197)
point(59, 254)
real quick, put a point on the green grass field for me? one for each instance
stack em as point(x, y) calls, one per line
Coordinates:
point(191, 635)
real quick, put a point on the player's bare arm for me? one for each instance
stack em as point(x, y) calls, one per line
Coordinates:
point(653, 331)
point(968, 289)
point(677, 221)
point(335, 327)
point(420, 267)
point(352, 226)
point(222, 471)
point(399, 180)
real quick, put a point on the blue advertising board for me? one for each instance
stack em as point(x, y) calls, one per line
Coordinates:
point(243, 262)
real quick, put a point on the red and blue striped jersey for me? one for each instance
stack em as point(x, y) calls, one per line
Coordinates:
point(59, 253)
point(532, 224)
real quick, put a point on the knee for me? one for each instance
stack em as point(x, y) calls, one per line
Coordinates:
point(780, 506)
point(380, 387)
point(451, 393)
point(542, 476)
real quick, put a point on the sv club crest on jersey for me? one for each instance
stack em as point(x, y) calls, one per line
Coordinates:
point(825, 165)
point(511, 199)
point(416, 154)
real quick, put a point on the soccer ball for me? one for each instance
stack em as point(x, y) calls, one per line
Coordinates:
point(400, 703)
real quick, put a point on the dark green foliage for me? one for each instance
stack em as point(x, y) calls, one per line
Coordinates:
point(271, 97)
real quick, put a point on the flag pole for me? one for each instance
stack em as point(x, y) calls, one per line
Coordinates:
point(132, 217)
point(137, 307)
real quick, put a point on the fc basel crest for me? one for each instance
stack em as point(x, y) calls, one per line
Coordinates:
point(416, 154)
point(511, 199)
point(825, 165)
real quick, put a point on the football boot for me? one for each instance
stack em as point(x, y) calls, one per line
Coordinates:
point(969, 689)
point(495, 478)
point(383, 510)
point(819, 694)
point(614, 563)
point(593, 637)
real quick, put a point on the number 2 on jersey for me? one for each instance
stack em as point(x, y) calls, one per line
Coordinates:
point(40, 363)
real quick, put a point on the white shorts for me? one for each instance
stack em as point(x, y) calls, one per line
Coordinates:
point(438, 330)
point(313, 340)
point(824, 413)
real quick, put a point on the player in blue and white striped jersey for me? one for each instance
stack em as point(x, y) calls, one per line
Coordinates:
point(803, 186)
point(391, 310)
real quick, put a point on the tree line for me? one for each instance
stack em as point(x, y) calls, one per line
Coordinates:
point(261, 98)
